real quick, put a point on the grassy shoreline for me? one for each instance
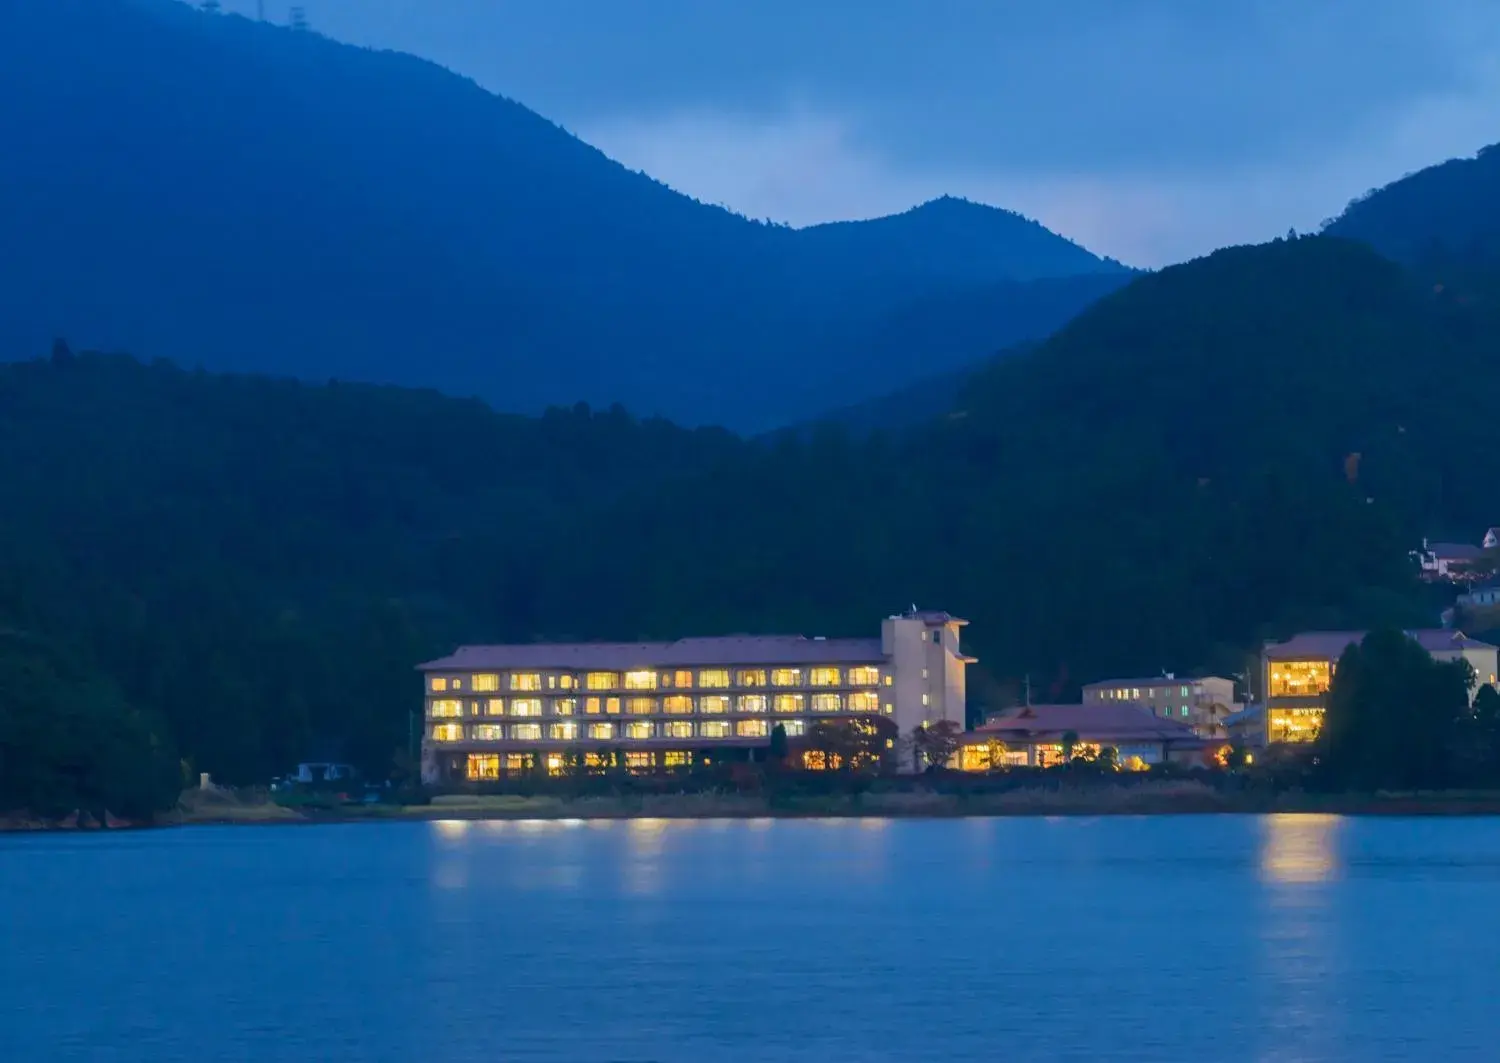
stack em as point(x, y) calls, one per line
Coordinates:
point(1166, 798)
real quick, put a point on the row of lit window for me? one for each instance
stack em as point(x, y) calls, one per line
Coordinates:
point(1295, 725)
point(634, 730)
point(1134, 693)
point(486, 766)
point(1300, 679)
point(672, 705)
point(650, 679)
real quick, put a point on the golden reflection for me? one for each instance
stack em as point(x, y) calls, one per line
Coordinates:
point(647, 839)
point(451, 828)
point(1299, 849)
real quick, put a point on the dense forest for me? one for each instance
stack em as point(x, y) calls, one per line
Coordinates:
point(244, 570)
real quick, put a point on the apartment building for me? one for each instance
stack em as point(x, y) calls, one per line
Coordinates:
point(1202, 703)
point(498, 710)
point(1295, 674)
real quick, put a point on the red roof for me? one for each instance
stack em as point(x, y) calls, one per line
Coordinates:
point(1108, 721)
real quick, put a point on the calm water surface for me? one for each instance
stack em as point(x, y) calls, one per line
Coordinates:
point(1152, 939)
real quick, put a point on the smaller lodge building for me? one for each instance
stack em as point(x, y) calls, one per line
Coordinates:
point(1035, 736)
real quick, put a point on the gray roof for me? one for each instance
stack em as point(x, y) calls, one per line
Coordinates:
point(728, 650)
point(1455, 551)
point(1245, 715)
point(1330, 645)
point(1126, 721)
point(1156, 681)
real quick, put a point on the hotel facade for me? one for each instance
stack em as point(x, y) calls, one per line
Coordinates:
point(1296, 674)
point(493, 711)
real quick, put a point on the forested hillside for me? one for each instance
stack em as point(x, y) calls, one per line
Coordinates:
point(236, 195)
point(1228, 449)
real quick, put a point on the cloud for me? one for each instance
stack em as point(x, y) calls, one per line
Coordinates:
point(808, 165)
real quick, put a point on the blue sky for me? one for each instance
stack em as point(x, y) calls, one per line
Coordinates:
point(1150, 130)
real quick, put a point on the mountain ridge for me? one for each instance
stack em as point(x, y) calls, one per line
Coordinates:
point(256, 199)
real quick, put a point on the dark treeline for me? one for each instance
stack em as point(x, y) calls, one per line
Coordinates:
point(247, 569)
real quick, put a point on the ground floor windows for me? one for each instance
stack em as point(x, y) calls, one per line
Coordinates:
point(638, 761)
point(483, 766)
point(1295, 725)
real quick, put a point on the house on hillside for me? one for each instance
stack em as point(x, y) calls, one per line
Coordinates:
point(1492, 539)
point(1455, 562)
point(1483, 596)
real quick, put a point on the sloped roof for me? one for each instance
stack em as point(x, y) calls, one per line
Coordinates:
point(1455, 551)
point(1330, 645)
point(1117, 721)
point(728, 650)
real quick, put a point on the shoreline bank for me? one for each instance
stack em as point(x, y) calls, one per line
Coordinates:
point(1135, 801)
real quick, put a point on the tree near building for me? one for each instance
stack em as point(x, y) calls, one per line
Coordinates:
point(777, 752)
point(937, 743)
point(1069, 744)
point(997, 751)
point(1394, 715)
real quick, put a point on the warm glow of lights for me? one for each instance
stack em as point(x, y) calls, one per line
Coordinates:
point(751, 677)
point(1299, 849)
point(602, 680)
point(446, 708)
point(751, 728)
point(437, 684)
point(526, 707)
point(786, 677)
point(481, 684)
point(788, 702)
point(713, 678)
point(1300, 679)
point(447, 732)
point(864, 701)
point(483, 767)
point(714, 704)
point(1294, 725)
point(451, 828)
point(823, 702)
point(864, 676)
point(714, 729)
point(564, 706)
point(825, 677)
point(488, 732)
point(640, 680)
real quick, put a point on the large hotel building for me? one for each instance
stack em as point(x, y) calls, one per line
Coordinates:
point(498, 710)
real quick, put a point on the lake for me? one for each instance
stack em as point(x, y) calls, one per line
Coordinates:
point(1203, 938)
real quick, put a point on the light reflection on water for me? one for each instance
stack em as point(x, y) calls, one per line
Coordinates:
point(1214, 939)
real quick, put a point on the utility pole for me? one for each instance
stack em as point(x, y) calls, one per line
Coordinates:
point(1028, 690)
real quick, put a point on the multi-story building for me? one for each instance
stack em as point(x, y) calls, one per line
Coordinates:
point(1202, 704)
point(1297, 673)
point(493, 710)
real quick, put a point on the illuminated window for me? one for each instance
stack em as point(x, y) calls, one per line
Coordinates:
point(1295, 725)
point(640, 706)
point(564, 706)
point(1184, 712)
point(677, 705)
point(438, 684)
point(751, 677)
point(676, 759)
point(494, 707)
point(714, 703)
point(682, 679)
point(750, 703)
point(794, 728)
point(456, 684)
point(447, 732)
point(1300, 679)
point(601, 730)
point(483, 766)
point(713, 678)
point(483, 683)
point(677, 729)
point(446, 708)
point(598, 760)
point(641, 680)
point(525, 706)
point(714, 729)
point(826, 703)
point(751, 728)
point(562, 732)
point(488, 732)
point(525, 681)
point(639, 729)
point(567, 682)
point(786, 677)
point(611, 706)
point(1184, 691)
point(518, 762)
point(638, 761)
point(926, 699)
point(788, 703)
point(1135, 692)
point(864, 676)
point(593, 706)
point(526, 732)
point(602, 680)
point(889, 679)
point(864, 701)
point(825, 677)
